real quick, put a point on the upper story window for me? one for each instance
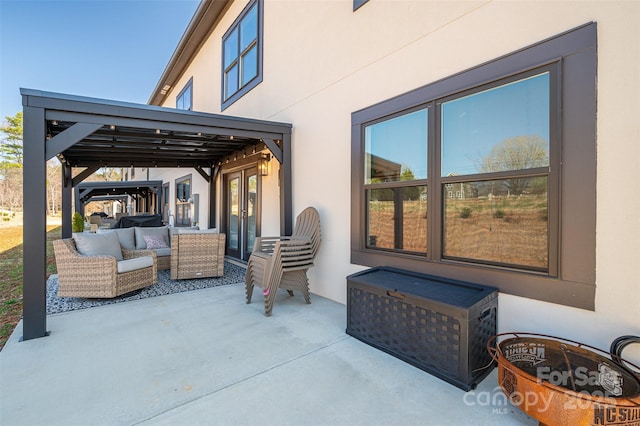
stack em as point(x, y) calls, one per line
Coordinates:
point(242, 54)
point(185, 99)
point(464, 177)
point(358, 3)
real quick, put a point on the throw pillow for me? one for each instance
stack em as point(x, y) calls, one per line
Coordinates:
point(155, 242)
point(140, 232)
point(90, 244)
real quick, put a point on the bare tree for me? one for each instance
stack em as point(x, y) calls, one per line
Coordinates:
point(54, 186)
point(517, 153)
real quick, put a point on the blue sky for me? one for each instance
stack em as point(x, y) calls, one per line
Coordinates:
point(471, 127)
point(111, 49)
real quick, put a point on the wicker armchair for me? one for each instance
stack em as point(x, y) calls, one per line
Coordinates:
point(97, 276)
point(282, 262)
point(197, 254)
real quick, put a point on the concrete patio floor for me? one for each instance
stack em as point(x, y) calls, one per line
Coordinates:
point(206, 357)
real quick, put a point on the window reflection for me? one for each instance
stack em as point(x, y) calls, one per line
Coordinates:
point(397, 218)
point(396, 149)
point(501, 129)
point(488, 222)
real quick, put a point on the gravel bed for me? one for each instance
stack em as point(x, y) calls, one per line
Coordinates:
point(233, 274)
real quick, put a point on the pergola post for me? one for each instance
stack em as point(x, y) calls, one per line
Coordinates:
point(213, 197)
point(34, 231)
point(67, 194)
point(286, 199)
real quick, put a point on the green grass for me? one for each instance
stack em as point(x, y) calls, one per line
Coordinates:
point(11, 271)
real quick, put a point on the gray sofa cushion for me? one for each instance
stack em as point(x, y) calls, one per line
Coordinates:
point(125, 235)
point(134, 264)
point(140, 232)
point(163, 252)
point(182, 229)
point(199, 231)
point(106, 244)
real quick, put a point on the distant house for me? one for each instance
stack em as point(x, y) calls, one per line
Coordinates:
point(430, 83)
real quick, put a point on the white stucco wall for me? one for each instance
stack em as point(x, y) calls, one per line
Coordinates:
point(322, 61)
point(199, 186)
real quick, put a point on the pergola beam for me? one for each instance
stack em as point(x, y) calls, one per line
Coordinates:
point(204, 174)
point(149, 124)
point(275, 149)
point(85, 174)
point(69, 137)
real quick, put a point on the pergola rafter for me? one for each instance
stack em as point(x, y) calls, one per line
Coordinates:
point(95, 133)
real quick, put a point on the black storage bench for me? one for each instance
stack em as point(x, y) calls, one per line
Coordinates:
point(438, 325)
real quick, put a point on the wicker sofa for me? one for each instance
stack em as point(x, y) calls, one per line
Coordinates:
point(136, 237)
point(187, 252)
point(197, 254)
point(102, 275)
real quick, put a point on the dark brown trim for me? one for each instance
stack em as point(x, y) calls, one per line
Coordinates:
point(243, 90)
point(571, 280)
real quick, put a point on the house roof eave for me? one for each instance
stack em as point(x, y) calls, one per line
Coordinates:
point(200, 27)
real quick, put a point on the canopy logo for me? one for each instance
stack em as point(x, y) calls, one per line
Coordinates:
point(606, 378)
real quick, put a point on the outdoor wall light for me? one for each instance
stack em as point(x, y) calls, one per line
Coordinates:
point(263, 164)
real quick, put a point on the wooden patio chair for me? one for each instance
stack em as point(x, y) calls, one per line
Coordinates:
point(282, 262)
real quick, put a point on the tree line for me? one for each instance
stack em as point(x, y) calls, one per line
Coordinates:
point(11, 171)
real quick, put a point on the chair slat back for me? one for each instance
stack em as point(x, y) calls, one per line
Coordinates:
point(296, 255)
point(308, 226)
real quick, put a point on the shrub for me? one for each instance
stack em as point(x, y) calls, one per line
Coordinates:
point(465, 212)
point(499, 214)
point(77, 224)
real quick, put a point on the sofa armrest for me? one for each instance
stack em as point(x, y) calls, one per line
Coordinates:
point(77, 269)
point(132, 254)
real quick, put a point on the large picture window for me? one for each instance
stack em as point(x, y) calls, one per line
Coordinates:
point(242, 54)
point(464, 177)
point(486, 132)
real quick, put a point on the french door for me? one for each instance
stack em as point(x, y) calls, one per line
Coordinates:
point(241, 212)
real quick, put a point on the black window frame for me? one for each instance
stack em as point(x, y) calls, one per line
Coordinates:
point(243, 90)
point(570, 279)
point(187, 87)
point(183, 201)
point(358, 3)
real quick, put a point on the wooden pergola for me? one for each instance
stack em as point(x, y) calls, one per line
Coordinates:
point(93, 133)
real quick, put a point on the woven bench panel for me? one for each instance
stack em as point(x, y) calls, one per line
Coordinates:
point(408, 330)
point(392, 310)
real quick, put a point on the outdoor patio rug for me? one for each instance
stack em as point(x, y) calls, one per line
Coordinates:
point(233, 274)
